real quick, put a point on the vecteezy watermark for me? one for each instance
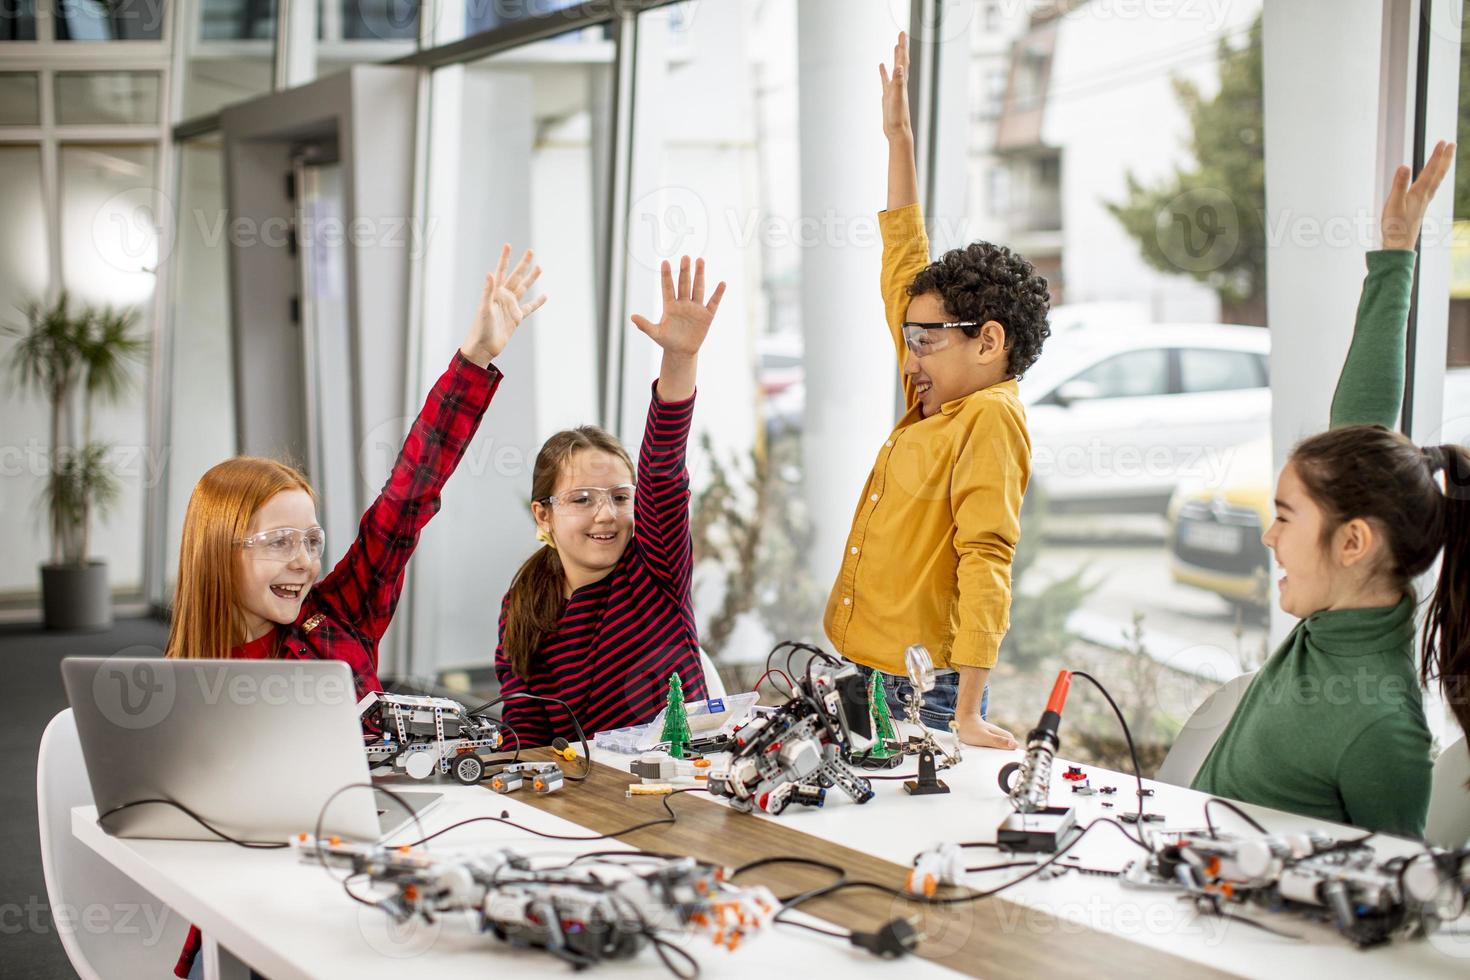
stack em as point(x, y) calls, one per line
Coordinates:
point(1213, 14)
point(1190, 676)
point(129, 230)
point(146, 921)
point(484, 456)
point(134, 695)
point(35, 459)
point(144, 18)
point(1199, 230)
point(946, 20)
point(141, 693)
point(666, 223)
point(399, 939)
point(1131, 461)
point(1162, 916)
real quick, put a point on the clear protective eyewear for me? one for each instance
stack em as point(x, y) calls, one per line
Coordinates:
point(926, 338)
point(588, 500)
point(285, 543)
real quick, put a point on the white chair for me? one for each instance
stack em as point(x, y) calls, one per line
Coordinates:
point(712, 682)
point(1449, 802)
point(109, 926)
point(1201, 731)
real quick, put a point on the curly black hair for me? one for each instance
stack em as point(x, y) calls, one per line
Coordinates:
point(983, 282)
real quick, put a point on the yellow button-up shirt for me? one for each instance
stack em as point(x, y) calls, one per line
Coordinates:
point(929, 556)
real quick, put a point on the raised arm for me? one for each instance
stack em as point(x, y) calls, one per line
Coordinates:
point(661, 503)
point(1370, 389)
point(905, 244)
point(365, 585)
point(903, 178)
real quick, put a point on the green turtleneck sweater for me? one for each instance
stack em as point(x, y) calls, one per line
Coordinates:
point(1332, 726)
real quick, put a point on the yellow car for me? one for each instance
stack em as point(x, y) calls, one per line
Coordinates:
point(1215, 526)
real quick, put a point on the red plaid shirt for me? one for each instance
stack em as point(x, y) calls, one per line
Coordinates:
point(345, 614)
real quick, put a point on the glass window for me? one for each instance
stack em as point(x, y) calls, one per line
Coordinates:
point(461, 18)
point(109, 20)
point(110, 211)
point(110, 97)
point(356, 31)
point(231, 59)
point(1131, 375)
point(1203, 370)
point(725, 183)
point(23, 257)
point(368, 20)
point(17, 20)
point(1126, 560)
point(237, 20)
point(518, 149)
point(20, 102)
point(202, 410)
point(23, 243)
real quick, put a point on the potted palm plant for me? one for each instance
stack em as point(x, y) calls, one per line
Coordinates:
point(76, 359)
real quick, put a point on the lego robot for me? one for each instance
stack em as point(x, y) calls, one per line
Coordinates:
point(421, 736)
point(1370, 900)
point(584, 913)
point(795, 753)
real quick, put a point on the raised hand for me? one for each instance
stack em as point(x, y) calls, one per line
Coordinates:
point(1403, 212)
point(896, 92)
point(501, 309)
point(687, 317)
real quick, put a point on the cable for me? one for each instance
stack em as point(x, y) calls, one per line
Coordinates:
point(1132, 752)
point(576, 726)
point(790, 687)
point(973, 895)
point(347, 887)
point(322, 815)
point(1233, 809)
point(254, 846)
point(808, 926)
point(505, 819)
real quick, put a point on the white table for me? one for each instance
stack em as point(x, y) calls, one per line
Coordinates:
point(896, 826)
point(288, 919)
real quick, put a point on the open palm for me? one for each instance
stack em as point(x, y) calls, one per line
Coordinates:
point(501, 311)
point(896, 90)
point(1403, 212)
point(687, 317)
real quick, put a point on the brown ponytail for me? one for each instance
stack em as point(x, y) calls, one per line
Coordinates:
point(537, 594)
point(1447, 624)
point(1366, 471)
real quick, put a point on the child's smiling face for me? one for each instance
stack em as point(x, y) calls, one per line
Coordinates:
point(964, 365)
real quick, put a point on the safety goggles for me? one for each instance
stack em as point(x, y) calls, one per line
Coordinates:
point(285, 543)
point(588, 500)
point(926, 338)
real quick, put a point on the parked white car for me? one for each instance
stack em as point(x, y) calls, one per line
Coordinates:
point(1119, 415)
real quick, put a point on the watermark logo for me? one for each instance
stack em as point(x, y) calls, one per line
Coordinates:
point(665, 224)
point(1198, 230)
point(134, 695)
point(128, 229)
point(399, 940)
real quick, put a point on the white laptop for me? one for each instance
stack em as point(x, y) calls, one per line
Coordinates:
point(254, 747)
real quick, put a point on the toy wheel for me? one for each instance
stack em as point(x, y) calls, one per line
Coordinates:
point(420, 765)
point(1008, 775)
point(468, 769)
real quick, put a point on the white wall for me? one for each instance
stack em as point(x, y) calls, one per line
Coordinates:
point(1111, 108)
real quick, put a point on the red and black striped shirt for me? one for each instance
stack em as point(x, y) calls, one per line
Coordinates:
point(621, 638)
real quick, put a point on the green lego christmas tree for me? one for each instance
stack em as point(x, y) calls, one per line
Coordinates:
point(883, 734)
point(676, 722)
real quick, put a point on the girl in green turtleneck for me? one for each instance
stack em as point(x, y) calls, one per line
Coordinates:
point(1333, 726)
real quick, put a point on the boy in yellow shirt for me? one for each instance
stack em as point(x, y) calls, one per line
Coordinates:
point(929, 556)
